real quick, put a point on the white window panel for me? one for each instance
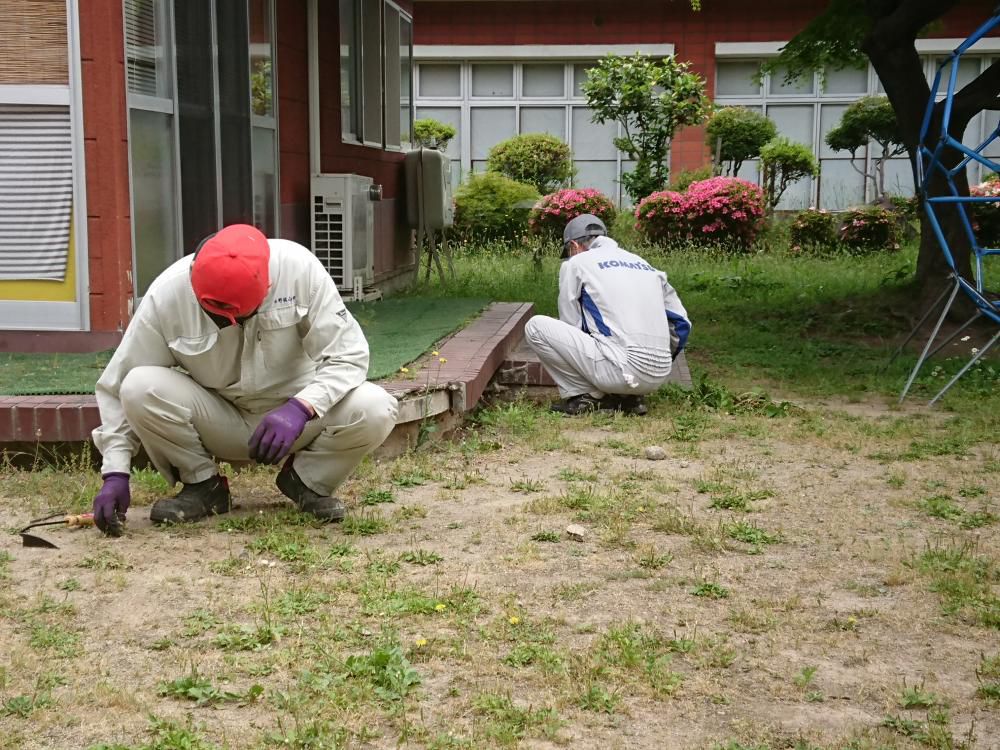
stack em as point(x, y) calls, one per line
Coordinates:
point(830, 116)
point(440, 81)
point(840, 185)
point(737, 79)
point(797, 197)
point(450, 116)
point(601, 175)
point(543, 80)
point(847, 81)
point(992, 121)
point(154, 218)
point(492, 80)
point(968, 71)
point(579, 76)
point(899, 177)
point(794, 121)
point(489, 126)
point(550, 120)
point(804, 86)
point(590, 140)
point(750, 171)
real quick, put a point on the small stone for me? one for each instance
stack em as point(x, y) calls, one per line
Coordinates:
point(685, 464)
point(655, 453)
point(576, 532)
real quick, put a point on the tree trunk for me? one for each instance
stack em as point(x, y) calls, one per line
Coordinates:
point(894, 57)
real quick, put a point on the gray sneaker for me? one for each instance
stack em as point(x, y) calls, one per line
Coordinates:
point(325, 508)
point(194, 502)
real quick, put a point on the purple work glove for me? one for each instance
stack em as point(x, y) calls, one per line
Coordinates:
point(111, 503)
point(278, 431)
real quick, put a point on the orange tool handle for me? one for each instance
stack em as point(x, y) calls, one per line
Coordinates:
point(84, 519)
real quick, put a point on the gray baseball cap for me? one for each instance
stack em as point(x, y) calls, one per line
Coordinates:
point(582, 227)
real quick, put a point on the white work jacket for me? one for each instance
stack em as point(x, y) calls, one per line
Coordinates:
point(625, 304)
point(303, 343)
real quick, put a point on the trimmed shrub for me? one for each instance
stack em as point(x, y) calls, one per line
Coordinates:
point(537, 159)
point(432, 133)
point(491, 206)
point(869, 229)
point(782, 163)
point(986, 216)
point(725, 209)
point(681, 181)
point(550, 214)
point(717, 210)
point(744, 133)
point(813, 229)
point(662, 217)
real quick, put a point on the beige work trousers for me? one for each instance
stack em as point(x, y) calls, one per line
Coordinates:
point(185, 427)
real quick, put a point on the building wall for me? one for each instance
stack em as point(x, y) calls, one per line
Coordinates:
point(393, 243)
point(102, 49)
point(694, 33)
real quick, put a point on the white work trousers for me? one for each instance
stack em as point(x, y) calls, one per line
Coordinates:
point(579, 364)
point(183, 425)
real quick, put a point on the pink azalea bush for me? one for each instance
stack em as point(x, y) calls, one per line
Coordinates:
point(550, 214)
point(716, 210)
point(869, 229)
point(662, 217)
point(986, 216)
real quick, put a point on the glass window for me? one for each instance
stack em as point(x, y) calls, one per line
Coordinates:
point(393, 75)
point(405, 81)
point(543, 80)
point(579, 76)
point(440, 81)
point(371, 71)
point(968, 71)
point(846, 81)
point(146, 43)
point(737, 79)
point(590, 139)
point(450, 116)
point(602, 175)
point(492, 80)
point(154, 216)
point(490, 125)
point(840, 185)
point(348, 72)
point(550, 120)
point(830, 116)
point(794, 121)
point(264, 131)
point(796, 87)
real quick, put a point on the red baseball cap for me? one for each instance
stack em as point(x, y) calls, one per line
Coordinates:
point(229, 274)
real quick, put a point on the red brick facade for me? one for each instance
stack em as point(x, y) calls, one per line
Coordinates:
point(593, 22)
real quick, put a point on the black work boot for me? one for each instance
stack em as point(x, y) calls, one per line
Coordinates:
point(325, 508)
point(635, 405)
point(194, 502)
point(582, 404)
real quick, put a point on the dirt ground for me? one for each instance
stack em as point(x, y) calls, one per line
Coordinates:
point(823, 577)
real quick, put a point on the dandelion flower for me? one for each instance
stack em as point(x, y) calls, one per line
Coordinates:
point(442, 360)
point(435, 353)
point(404, 369)
point(440, 607)
point(421, 642)
point(514, 620)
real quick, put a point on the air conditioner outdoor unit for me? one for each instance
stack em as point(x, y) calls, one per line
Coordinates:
point(343, 229)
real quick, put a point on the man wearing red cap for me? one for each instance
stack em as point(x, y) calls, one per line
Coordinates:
point(244, 351)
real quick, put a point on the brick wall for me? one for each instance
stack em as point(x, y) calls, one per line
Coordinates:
point(105, 129)
point(693, 33)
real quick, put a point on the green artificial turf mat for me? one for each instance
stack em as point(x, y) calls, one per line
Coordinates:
point(398, 330)
point(402, 328)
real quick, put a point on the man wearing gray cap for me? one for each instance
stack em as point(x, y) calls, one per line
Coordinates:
point(620, 325)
